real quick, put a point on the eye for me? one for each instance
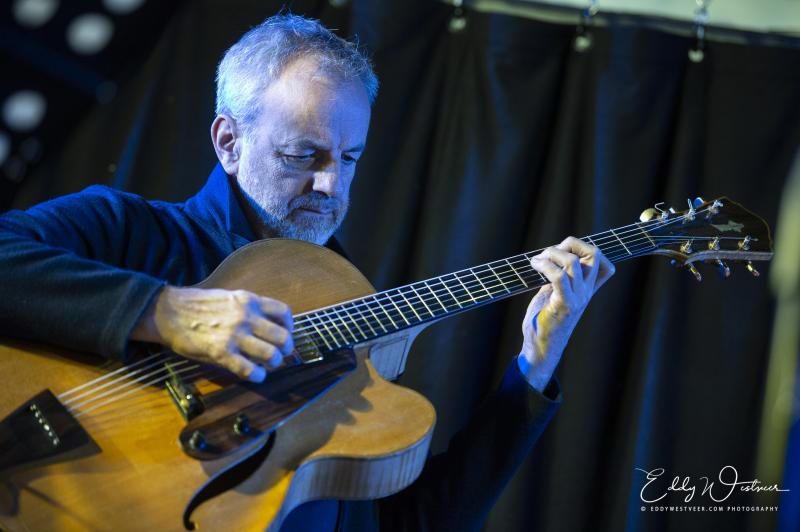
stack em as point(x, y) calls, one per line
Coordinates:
point(299, 158)
point(349, 159)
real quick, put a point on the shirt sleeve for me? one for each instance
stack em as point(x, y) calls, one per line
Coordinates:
point(64, 271)
point(457, 488)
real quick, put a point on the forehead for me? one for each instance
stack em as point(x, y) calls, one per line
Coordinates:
point(306, 100)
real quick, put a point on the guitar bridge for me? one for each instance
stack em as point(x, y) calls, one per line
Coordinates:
point(184, 395)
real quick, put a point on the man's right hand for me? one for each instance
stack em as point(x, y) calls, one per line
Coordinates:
point(236, 330)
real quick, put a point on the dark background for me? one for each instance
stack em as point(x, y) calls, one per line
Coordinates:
point(486, 142)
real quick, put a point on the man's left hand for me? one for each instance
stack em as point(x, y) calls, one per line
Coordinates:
point(575, 271)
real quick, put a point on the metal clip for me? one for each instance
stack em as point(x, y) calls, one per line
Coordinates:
point(583, 34)
point(458, 21)
point(697, 50)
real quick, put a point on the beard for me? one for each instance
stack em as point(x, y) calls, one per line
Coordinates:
point(297, 219)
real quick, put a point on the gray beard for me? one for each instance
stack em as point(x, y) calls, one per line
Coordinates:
point(291, 224)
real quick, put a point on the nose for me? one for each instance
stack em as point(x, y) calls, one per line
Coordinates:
point(327, 180)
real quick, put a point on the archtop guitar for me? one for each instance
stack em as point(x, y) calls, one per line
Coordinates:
point(164, 443)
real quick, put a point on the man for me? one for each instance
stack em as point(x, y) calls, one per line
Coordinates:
point(293, 110)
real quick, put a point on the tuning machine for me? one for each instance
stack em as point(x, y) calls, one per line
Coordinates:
point(724, 269)
point(752, 269)
point(694, 271)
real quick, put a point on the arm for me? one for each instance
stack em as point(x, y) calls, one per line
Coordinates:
point(459, 487)
point(82, 272)
point(57, 281)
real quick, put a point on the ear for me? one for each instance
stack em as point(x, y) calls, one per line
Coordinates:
point(227, 141)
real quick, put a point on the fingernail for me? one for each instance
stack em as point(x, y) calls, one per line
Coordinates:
point(258, 374)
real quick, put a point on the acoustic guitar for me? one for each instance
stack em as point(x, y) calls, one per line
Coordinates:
point(164, 443)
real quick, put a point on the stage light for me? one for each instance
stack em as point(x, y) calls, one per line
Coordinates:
point(34, 13)
point(24, 110)
point(89, 33)
point(122, 7)
point(5, 147)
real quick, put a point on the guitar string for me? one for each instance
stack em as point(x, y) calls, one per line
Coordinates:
point(523, 258)
point(204, 370)
point(166, 371)
point(508, 275)
point(180, 359)
point(74, 410)
point(417, 301)
point(127, 383)
point(630, 255)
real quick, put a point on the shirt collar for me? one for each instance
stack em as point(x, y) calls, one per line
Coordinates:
point(217, 203)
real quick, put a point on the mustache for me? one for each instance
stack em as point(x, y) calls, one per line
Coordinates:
point(316, 201)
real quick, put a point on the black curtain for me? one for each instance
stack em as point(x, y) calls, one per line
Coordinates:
point(500, 138)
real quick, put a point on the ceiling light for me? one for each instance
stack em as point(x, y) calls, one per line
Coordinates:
point(89, 33)
point(34, 13)
point(24, 110)
point(122, 7)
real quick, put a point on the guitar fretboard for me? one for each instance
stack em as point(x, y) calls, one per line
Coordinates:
point(363, 319)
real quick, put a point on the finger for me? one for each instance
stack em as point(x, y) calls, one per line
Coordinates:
point(277, 311)
point(272, 333)
point(568, 262)
point(240, 366)
point(553, 273)
point(260, 350)
point(606, 270)
point(587, 254)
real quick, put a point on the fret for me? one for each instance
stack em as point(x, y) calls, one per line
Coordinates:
point(493, 272)
point(352, 320)
point(513, 269)
point(450, 292)
point(423, 300)
point(400, 291)
point(319, 333)
point(335, 310)
point(432, 291)
point(475, 275)
point(398, 311)
point(465, 288)
point(355, 306)
point(620, 241)
point(333, 326)
point(646, 234)
point(377, 319)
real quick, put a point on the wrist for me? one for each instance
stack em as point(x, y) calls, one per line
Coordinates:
point(146, 328)
point(533, 371)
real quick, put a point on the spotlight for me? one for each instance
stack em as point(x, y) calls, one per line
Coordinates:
point(24, 110)
point(122, 7)
point(34, 13)
point(89, 33)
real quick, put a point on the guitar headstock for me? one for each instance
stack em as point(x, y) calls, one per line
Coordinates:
point(709, 231)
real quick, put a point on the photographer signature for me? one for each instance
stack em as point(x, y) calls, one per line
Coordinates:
point(728, 479)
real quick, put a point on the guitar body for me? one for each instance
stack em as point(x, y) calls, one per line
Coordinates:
point(364, 438)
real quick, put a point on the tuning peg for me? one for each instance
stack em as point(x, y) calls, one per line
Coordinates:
point(694, 272)
point(724, 269)
point(752, 269)
point(698, 201)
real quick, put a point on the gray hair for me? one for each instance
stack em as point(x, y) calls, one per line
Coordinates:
point(260, 56)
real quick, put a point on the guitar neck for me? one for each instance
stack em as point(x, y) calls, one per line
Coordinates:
point(389, 311)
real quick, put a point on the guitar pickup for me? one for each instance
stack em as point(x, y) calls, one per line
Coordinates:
point(184, 395)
